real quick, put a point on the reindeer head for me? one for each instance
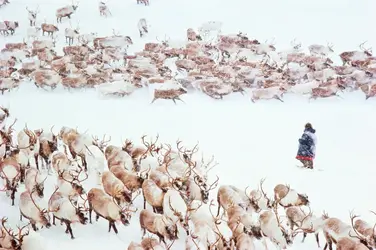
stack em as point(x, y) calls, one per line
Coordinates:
point(76, 183)
point(11, 184)
point(182, 91)
point(126, 212)
point(80, 211)
point(5, 114)
point(43, 213)
point(33, 139)
point(128, 39)
point(302, 200)
point(39, 187)
point(16, 238)
point(205, 189)
point(368, 51)
point(170, 229)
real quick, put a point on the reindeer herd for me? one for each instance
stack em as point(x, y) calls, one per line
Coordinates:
point(174, 185)
point(219, 66)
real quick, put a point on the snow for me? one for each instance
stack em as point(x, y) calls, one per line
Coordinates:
point(250, 141)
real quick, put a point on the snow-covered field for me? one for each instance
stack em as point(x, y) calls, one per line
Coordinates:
point(249, 141)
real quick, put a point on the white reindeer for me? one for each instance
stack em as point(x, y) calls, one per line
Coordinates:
point(32, 15)
point(104, 10)
point(71, 34)
point(321, 50)
point(33, 32)
point(142, 27)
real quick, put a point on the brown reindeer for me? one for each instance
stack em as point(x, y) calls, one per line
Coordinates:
point(159, 225)
point(50, 29)
point(169, 94)
point(104, 206)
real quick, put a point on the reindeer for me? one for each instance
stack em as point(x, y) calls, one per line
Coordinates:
point(153, 195)
point(240, 222)
point(63, 209)
point(45, 78)
point(95, 158)
point(66, 11)
point(289, 197)
point(115, 188)
point(28, 140)
point(3, 2)
point(159, 225)
point(260, 198)
point(176, 209)
point(16, 46)
point(11, 240)
point(116, 156)
point(229, 195)
point(47, 146)
point(10, 171)
point(305, 222)
point(33, 32)
point(107, 208)
point(321, 50)
point(132, 181)
point(71, 34)
point(75, 81)
point(192, 35)
point(70, 184)
point(104, 10)
point(149, 243)
point(145, 2)
point(346, 235)
point(33, 182)
point(169, 94)
point(348, 56)
point(32, 211)
point(32, 15)
point(272, 228)
point(366, 230)
point(49, 28)
point(142, 27)
point(8, 84)
point(9, 25)
point(41, 45)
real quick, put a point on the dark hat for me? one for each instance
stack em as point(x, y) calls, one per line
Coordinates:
point(308, 125)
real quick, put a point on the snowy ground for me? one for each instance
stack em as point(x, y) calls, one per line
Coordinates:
point(250, 141)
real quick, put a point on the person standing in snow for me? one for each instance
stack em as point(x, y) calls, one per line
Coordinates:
point(307, 146)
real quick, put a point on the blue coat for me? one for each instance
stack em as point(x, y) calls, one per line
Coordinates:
point(307, 145)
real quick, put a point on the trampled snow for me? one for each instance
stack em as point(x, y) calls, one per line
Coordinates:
point(249, 141)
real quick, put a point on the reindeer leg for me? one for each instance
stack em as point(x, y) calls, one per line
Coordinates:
point(144, 201)
point(178, 98)
point(34, 226)
point(278, 98)
point(69, 229)
point(114, 227)
point(265, 243)
point(90, 212)
point(36, 160)
point(53, 220)
point(153, 100)
point(96, 217)
point(13, 196)
point(317, 239)
point(328, 241)
point(304, 236)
